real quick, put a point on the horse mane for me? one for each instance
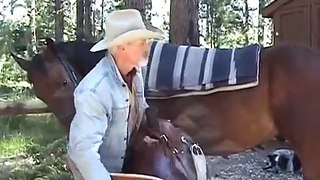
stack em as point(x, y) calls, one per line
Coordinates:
point(76, 53)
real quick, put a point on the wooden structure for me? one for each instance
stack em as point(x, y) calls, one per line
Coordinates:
point(28, 107)
point(295, 21)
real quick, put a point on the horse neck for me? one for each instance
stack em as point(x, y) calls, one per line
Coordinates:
point(78, 55)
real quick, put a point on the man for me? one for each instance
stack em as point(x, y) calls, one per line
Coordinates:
point(109, 101)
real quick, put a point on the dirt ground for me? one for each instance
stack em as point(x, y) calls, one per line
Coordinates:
point(245, 166)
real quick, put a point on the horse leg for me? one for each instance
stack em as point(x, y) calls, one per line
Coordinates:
point(308, 153)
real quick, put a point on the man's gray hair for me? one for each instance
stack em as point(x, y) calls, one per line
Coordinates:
point(113, 50)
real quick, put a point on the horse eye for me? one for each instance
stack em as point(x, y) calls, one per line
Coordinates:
point(65, 82)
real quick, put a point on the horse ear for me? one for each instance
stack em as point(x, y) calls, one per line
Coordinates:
point(49, 41)
point(51, 49)
point(152, 118)
point(23, 63)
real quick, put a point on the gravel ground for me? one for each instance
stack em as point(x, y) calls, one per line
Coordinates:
point(242, 166)
point(245, 166)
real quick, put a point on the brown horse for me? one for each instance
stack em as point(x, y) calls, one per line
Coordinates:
point(285, 102)
point(162, 150)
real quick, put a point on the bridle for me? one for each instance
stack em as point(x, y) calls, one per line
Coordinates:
point(69, 69)
point(72, 76)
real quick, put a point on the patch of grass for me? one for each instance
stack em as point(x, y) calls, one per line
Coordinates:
point(14, 145)
point(42, 129)
point(32, 147)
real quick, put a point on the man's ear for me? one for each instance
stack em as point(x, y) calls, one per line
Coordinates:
point(120, 47)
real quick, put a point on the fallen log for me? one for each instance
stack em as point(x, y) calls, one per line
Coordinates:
point(28, 107)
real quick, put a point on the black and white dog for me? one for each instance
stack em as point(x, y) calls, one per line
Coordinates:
point(285, 160)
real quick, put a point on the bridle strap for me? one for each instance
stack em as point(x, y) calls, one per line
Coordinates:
point(69, 69)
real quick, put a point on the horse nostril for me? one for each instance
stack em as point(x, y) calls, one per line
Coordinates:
point(65, 82)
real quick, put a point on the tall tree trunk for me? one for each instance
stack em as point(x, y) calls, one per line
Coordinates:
point(247, 23)
point(144, 7)
point(102, 18)
point(59, 23)
point(208, 24)
point(93, 28)
point(32, 49)
point(261, 22)
point(80, 18)
point(194, 33)
point(87, 20)
point(184, 28)
point(137, 4)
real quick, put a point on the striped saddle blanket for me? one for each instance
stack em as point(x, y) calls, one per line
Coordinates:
point(184, 69)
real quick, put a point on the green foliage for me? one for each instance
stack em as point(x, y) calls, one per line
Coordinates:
point(16, 36)
point(69, 11)
point(33, 147)
point(220, 20)
point(265, 25)
point(119, 4)
point(44, 18)
point(14, 145)
point(48, 162)
point(11, 75)
point(228, 23)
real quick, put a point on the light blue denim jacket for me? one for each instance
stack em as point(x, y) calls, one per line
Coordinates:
point(98, 133)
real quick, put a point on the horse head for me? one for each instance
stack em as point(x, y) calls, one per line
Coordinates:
point(53, 80)
point(160, 149)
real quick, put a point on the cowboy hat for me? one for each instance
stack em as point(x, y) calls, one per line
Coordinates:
point(123, 26)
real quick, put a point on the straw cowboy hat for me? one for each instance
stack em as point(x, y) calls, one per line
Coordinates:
point(123, 26)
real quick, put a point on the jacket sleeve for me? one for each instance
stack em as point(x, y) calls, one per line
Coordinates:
point(86, 132)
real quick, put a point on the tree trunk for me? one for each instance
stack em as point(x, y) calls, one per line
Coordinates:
point(80, 18)
point(32, 49)
point(59, 21)
point(136, 4)
point(143, 6)
point(247, 23)
point(102, 19)
point(262, 23)
point(184, 28)
point(93, 22)
point(87, 20)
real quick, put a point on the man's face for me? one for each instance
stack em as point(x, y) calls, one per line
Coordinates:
point(136, 52)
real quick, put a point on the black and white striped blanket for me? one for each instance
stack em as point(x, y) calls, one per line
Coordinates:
point(178, 68)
